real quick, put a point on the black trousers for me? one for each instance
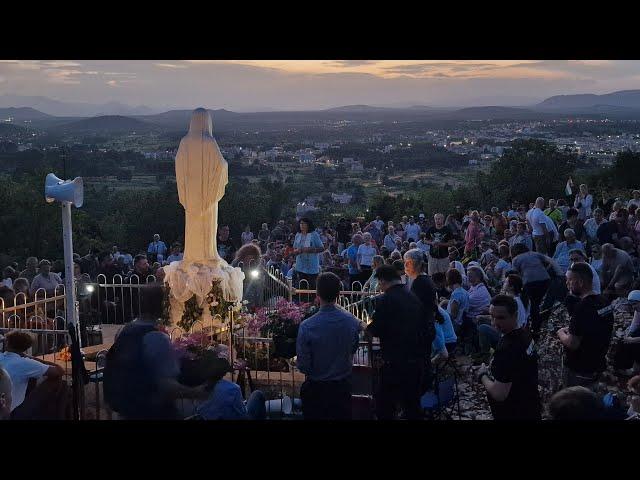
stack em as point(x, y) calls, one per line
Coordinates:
point(326, 400)
point(535, 291)
point(400, 385)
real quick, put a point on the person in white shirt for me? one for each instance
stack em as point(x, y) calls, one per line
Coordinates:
point(413, 230)
point(247, 235)
point(422, 243)
point(21, 367)
point(390, 239)
point(176, 254)
point(592, 224)
point(539, 226)
point(583, 203)
point(364, 257)
point(635, 200)
point(45, 280)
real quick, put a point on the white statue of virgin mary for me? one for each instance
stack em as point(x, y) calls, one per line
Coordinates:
point(201, 175)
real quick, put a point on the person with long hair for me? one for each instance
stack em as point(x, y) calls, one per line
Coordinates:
point(307, 247)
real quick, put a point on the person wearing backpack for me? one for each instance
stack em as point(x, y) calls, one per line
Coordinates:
point(141, 370)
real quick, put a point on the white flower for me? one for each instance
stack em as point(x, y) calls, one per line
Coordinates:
point(214, 304)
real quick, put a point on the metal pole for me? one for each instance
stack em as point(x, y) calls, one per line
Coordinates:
point(69, 279)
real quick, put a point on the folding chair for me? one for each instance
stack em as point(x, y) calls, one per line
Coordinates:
point(444, 399)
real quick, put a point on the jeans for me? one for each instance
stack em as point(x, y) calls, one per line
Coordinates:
point(535, 291)
point(256, 406)
point(488, 337)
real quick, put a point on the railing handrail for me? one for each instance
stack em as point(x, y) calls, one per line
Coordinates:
point(32, 304)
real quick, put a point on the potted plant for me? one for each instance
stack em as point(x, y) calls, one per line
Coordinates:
point(281, 324)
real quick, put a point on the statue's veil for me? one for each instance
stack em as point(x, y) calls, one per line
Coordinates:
point(201, 124)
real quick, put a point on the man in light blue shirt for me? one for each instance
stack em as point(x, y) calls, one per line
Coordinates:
point(325, 346)
point(156, 250)
point(352, 257)
point(561, 256)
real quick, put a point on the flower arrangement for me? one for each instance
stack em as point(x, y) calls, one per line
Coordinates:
point(278, 321)
point(192, 313)
point(191, 346)
point(217, 304)
point(282, 324)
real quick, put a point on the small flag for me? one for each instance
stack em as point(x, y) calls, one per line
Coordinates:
point(567, 189)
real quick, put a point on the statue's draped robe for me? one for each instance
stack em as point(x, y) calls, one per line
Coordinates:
point(201, 176)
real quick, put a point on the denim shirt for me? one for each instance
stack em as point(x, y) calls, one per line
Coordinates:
point(326, 344)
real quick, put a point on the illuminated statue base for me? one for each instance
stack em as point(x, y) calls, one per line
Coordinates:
point(186, 279)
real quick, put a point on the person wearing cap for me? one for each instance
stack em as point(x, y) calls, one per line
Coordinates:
point(225, 401)
point(45, 279)
point(627, 357)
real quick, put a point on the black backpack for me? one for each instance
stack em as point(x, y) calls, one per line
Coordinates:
point(128, 383)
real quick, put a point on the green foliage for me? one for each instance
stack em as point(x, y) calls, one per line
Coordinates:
point(530, 168)
point(625, 173)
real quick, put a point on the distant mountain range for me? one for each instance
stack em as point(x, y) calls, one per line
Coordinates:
point(622, 105)
point(629, 99)
point(72, 109)
point(22, 114)
point(105, 124)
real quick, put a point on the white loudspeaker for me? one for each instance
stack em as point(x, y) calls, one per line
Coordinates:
point(64, 190)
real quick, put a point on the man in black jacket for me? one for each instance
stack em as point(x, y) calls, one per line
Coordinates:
point(401, 324)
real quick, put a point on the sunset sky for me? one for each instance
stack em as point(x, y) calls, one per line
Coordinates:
point(253, 85)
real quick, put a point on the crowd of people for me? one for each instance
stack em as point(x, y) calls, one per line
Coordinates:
point(478, 283)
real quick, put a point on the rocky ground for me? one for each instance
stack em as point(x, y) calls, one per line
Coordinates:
point(473, 400)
